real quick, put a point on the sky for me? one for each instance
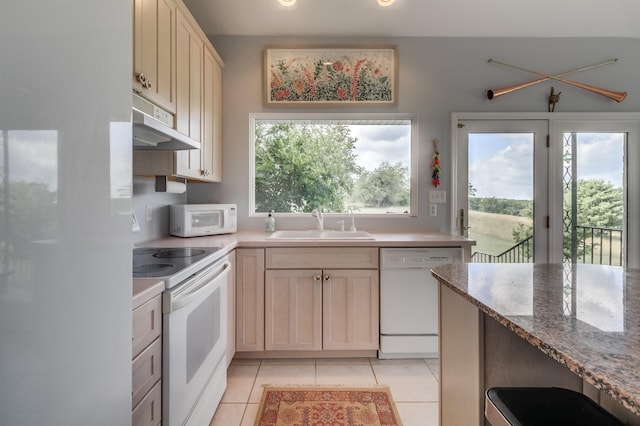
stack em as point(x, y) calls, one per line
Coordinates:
point(382, 143)
point(501, 165)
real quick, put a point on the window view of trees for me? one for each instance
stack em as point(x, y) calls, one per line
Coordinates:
point(304, 165)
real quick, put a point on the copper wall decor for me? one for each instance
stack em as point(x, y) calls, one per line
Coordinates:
point(611, 94)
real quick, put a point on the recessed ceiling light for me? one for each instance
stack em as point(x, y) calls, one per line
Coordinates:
point(287, 2)
point(385, 2)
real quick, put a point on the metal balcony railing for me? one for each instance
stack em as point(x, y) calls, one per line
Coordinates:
point(595, 245)
point(599, 245)
point(520, 253)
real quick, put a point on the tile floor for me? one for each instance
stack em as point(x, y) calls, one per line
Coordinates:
point(413, 384)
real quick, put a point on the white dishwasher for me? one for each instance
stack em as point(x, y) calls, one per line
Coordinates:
point(409, 301)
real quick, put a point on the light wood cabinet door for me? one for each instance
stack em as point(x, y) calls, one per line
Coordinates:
point(350, 309)
point(146, 325)
point(249, 300)
point(211, 151)
point(189, 67)
point(293, 310)
point(153, 51)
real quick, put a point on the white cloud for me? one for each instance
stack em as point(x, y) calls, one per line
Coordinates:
point(508, 173)
point(382, 143)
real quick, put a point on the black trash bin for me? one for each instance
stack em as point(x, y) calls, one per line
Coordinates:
point(536, 406)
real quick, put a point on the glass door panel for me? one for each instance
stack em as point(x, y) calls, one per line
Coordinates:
point(593, 197)
point(500, 158)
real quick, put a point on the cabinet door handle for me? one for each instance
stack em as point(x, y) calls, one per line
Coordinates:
point(317, 278)
point(142, 79)
point(327, 278)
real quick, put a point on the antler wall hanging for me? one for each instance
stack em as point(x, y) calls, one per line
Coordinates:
point(611, 94)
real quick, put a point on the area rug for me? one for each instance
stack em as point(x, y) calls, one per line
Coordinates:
point(327, 406)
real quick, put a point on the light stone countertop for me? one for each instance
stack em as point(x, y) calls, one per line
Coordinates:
point(255, 239)
point(252, 239)
point(586, 317)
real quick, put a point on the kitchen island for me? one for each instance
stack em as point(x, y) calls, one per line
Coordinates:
point(576, 327)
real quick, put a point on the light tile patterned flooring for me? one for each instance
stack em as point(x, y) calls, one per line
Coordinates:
point(413, 384)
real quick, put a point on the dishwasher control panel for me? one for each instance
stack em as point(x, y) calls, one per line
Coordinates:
point(419, 258)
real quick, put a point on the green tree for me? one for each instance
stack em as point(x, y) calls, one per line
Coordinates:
point(300, 166)
point(387, 185)
point(598, 203)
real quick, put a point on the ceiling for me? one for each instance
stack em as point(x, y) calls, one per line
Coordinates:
point(419, 18)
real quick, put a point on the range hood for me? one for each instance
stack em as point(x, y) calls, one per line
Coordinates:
point(153, 129)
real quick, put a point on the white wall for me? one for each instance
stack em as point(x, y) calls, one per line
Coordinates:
point(145, 196)
point(65, 250)
point(437, 76)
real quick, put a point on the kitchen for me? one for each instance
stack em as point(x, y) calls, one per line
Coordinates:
point(66, 304)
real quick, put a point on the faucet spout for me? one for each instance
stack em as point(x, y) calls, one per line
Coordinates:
point(353, 220)
point(317, 213)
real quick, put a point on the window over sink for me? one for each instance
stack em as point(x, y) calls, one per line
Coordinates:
point(363, 162)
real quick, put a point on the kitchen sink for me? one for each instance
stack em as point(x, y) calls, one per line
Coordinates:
point(313, 234)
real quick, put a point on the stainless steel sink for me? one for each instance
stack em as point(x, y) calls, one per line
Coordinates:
point(313, 234)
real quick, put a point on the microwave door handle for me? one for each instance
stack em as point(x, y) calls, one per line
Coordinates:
point(182, 299)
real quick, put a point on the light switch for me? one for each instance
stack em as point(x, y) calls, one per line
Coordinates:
point(437, 197)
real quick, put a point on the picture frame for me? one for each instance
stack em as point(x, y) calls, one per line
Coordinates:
point(330, 75)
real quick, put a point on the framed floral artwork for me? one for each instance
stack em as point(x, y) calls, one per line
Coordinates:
point(330, 76)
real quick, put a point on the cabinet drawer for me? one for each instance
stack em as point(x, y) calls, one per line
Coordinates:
point(149, 411)
point(146, 370)
point(322, 257)
point(147, 325)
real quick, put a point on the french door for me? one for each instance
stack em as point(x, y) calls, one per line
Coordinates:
point(542, 189)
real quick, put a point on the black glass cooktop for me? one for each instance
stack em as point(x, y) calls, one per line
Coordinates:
point(150, 262)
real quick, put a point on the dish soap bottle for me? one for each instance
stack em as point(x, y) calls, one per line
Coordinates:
point(270, 223)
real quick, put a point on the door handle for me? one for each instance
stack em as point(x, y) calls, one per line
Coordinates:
point(461, 226)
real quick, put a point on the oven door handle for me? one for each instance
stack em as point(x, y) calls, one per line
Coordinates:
point(181, 298)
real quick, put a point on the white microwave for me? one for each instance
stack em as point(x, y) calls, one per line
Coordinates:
point(197, 220)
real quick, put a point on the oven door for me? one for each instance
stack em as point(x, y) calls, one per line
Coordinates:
point(194, 339)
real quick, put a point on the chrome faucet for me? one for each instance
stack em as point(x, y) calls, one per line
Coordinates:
point(353, 220)
point(317, 213)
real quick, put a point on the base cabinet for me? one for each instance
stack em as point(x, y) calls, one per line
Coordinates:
point(322, 307)
point(146, 395)
point(249, 300)
point(307, 299)
point(318, 309)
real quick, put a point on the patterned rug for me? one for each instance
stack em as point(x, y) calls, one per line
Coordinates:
point(327, 406)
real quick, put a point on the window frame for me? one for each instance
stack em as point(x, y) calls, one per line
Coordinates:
point(413, 180)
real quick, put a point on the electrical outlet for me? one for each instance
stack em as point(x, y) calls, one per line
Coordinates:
point(149, 213)
point(437, 197)
point(433, 210)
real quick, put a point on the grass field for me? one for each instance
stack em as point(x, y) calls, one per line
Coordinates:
point(493, 232)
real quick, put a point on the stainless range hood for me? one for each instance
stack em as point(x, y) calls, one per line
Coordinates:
point(153, 129)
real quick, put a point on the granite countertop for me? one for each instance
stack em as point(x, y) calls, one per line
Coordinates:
point(586, 317)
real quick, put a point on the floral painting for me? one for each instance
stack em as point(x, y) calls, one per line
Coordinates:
point(330, 75)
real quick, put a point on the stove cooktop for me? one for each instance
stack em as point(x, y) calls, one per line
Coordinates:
point(171, 264)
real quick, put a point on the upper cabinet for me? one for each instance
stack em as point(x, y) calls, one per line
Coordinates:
point(154, 28)
point(212, 117)
point(197, 82)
